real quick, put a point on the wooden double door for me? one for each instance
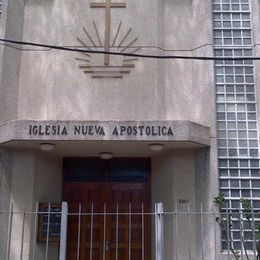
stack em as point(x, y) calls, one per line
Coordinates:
point(112, 224)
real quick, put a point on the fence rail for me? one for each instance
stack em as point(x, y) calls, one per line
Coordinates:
point(122, 232)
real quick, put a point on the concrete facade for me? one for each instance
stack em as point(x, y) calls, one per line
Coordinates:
point(48, 85)
point(41, 86)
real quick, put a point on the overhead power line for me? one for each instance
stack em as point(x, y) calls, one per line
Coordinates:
point(146, 56)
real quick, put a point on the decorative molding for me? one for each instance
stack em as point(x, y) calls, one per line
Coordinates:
point(58, 130)
point(111, 68)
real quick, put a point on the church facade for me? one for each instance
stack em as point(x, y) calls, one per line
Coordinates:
point(93, 123)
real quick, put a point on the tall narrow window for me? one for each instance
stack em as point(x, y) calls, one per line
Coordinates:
point(1, 6)
point(238, 152)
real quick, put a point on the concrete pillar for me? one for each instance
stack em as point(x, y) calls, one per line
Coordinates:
point(47, 188)
point(5, 189)
point(173, 184)
point(206, 183)
point(37, 177)
point(22, 200)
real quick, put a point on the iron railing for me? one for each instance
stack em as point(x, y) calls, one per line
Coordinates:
point(128, 232)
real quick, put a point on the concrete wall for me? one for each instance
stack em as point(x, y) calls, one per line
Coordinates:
point(176, 176)
point(162, 176)
point(184, 179)
point(65, 91)
point(48, 84)
point(189, 85)
point(47, 188)
point(11, 27)
point(174, 181)
point(23, 176)
point(53, 87)
point(206, 188)
point(5, 190)
point(36, 178)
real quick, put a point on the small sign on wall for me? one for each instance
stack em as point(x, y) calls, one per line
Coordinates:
point(183, 201)
point(49, 222)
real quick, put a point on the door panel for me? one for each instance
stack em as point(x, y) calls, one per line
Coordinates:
point(85, 195)
point(115, 235)
point(127, 198)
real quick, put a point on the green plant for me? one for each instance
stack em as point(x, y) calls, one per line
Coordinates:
point(225, 222)
point(250, 225)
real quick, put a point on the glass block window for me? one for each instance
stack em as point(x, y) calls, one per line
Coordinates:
point(238, 147)
point(1, 6)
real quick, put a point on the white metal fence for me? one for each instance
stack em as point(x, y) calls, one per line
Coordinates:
point(78, 233)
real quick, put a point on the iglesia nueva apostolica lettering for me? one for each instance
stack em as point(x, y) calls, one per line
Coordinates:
point(143, 130)
point(100, 130)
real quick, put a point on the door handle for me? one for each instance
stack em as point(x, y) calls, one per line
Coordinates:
point(107, 245)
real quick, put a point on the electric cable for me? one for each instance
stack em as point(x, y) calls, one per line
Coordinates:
point(135, 55)
point(113, 47)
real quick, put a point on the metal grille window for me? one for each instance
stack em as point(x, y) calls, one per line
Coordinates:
point(238, 152)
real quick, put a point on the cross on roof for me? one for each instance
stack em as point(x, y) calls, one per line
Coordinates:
point(107, 5)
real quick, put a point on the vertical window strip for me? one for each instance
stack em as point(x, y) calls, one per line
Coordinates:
point(1, 6)
point(238, 146)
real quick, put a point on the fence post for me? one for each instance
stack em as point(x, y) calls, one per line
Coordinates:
point(10, 225)
point(159, 231)
point(63, 231)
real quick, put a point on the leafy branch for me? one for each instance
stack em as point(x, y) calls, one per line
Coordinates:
point(225, 223)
